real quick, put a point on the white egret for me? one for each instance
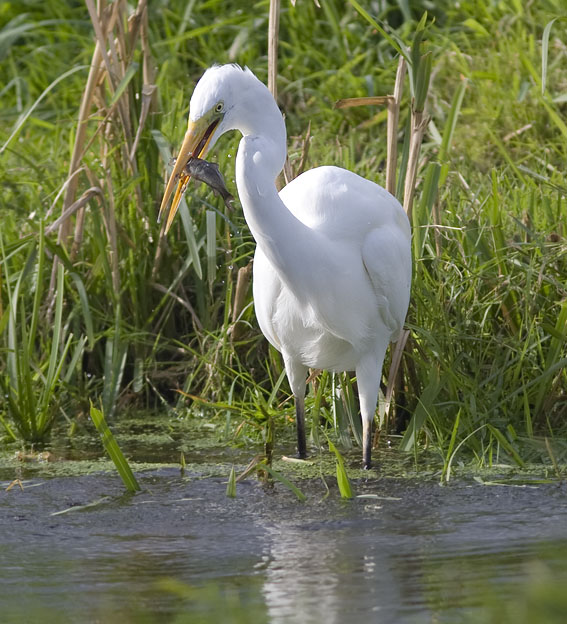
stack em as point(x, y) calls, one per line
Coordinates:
point(332, 267)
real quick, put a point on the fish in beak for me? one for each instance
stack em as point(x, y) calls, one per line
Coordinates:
point(195, 145)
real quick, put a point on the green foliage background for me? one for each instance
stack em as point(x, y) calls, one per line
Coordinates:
point(485, 368)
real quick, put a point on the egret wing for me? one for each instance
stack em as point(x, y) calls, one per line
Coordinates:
point(386, 254)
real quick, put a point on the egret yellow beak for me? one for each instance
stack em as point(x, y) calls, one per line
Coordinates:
point(195, 143)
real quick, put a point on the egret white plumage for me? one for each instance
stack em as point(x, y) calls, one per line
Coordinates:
point(332, 267)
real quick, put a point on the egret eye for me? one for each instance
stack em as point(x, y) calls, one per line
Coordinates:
point(219, 107)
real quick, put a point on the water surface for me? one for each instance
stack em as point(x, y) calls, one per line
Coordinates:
point(181, 551)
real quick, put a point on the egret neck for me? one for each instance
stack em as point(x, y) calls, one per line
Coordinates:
point(286, 241)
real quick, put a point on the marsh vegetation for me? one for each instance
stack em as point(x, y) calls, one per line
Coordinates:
point(96, 306)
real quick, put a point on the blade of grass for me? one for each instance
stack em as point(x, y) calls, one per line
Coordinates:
point(39, 286)
point(231, 485)
point(506, 445)
point(343, 481)
point(31, 109)
point(553, 355)
point(445, 475)
point(57, 325)
point(391, 40)
point(422, 411)
point(113, 450)
point(276, 475)
point(129, 74)
point(351, 406)
point(447, 469)
point(545, 50)
point(85, 307)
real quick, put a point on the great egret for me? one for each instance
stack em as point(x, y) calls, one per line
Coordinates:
point(332, 267)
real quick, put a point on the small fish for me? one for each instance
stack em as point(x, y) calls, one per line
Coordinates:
point(209, 173)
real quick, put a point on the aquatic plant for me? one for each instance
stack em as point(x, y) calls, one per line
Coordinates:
point(114, 451)
point(40, 360)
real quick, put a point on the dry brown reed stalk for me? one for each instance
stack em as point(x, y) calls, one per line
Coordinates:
point(273, 39)
point(72, 182)
point(398, 351)
point(419, 121)
point(80, 137)
point(304, 151)
point(377, 100)
point(106, 91)
point(392, 127)
point(109, 216)
point(273, 34)
point(113, 53)
point(82, 201)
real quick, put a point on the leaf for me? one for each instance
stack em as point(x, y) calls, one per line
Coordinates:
point(342, 478)
point(451, 122)
point(300, 495)
point(477, 27)
point(545, 51)
point(30, 110)
point(231, 485)
point(111, 447)
point(422, 80)
point(446, 475)
point(128, 75)
point(422, 411)
point(506, 445)
point(379, 28)
point(83, 298)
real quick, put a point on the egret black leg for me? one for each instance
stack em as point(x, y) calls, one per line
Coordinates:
point(368, 374)
point(300, 422)
point(296, 374)
point(366, 444)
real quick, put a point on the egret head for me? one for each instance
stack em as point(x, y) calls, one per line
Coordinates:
point(217, 96)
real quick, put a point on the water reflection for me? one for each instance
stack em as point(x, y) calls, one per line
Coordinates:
point(302, 580)
point(409, 561)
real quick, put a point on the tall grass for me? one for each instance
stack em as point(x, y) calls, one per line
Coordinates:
point(98, 303)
